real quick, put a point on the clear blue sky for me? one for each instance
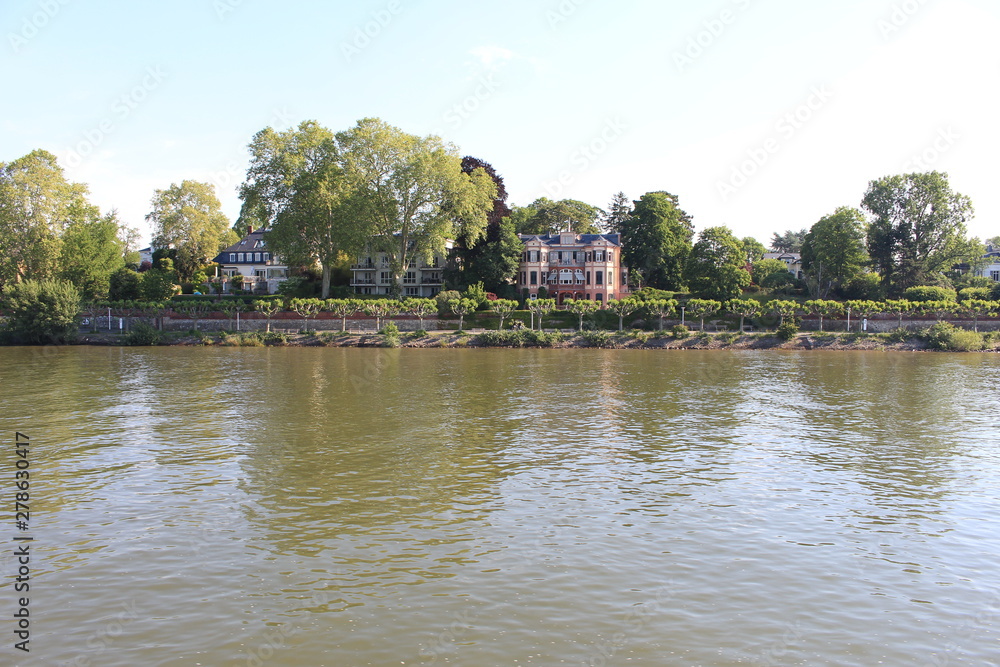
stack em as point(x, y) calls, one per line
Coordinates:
point(762, 115)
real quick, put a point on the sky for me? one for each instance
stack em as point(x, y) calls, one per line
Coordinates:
point(761, 115)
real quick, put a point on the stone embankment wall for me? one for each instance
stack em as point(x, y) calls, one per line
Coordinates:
point(288, 325)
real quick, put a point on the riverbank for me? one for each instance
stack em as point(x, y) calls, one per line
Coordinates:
point(902, 342)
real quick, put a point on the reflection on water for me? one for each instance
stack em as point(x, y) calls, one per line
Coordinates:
point(535, 507)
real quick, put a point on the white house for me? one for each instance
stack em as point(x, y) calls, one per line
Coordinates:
point(992, 268)
point(792, 260)
point(371, 275)
point(261, 270)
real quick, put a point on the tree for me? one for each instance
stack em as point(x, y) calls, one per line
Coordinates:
point(421, 308)
point(124, 285)
point(660, 308)
point(782, 308)
point(544, 216)
point(37, 204)
point(656, 240)
point(917, 228)
point(744, 308)
point(41, 311)
point(306, 308)
point(702, 308)
point(159, 284)
point(297, 186)
point(581, 307)
point(541, 307)
point(413, 192)
point(899, 307)
point(763, 270)
point(503, 308)
point(92, 251)
point(833, 252)
point(189, 218)
point(379, 309)
point(618, 213)
point(753, 250)
point(622, 308)
point(268, 308)
point(462, 307)
point(716, 267)
point(823, 308)
point(493, 259)
point(979, 308)
point(790, 241)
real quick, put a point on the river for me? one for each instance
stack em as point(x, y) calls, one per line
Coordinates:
point(340, 507)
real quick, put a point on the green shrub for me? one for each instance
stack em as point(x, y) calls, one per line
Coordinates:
point(274, 338)
point(946, 336)
point(597, 338)
point(390, 329)
point(41, 311)
point(970, 293)
point(680, 331)
point(443, 302)
point(419, 333)
point(929, 293)
point(245, 339)
point(142, 334)
point(728, 338)
point(788, 330)
point(507, 338)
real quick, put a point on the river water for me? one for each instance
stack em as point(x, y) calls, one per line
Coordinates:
point(340, 507)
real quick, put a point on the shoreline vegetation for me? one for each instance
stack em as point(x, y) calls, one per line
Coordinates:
point(900, 341)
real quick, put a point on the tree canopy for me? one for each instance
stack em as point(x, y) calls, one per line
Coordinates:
point(544, 216)
point(656, 240)
point(917, 228)
point(833, 253)
point(716, 265)
point(189, 218)
point(789, 241)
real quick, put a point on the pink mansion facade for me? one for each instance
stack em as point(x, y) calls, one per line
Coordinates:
point(573, 266)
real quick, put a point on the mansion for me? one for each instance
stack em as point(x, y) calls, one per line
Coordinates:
point(573, 266)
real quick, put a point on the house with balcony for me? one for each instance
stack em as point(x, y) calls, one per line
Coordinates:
point(371, 274)
point(573, 266)
point(250, 257)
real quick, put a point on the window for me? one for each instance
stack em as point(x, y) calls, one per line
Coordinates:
point(534, 277)
point(412, 291)
point(240, 257)
point(256, 257)
point(600, 297)
point(410, 278)
point(232, 257)
point(995, 275)
point(599, 278)
point(611, 279)
point(588, 277)
point(384, 277)
point(267, 257)
point(598, 256)
point(610, 256)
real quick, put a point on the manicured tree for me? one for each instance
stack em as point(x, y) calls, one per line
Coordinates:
point(660, 308)
point(420, 307)
point(782, 308)
point(268, 308)
point(503, 308)
point(240, 306)
point(824, 308)
point(939, 309)
point(622, 308)
point(92, 309)
point(541, 307)
point(581, 307)
point(851, 307)
point(306, 308)
point(702, 308)
point(193, 309)
point(899, 307)
point(462, 307)
point(744, 308)
point(979, 308)
point(868, 308)
point(228, 308)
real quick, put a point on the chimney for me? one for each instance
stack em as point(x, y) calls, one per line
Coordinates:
point(249, 230)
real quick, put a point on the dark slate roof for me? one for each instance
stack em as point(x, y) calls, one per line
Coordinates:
point(252, 242)
point(584, 239)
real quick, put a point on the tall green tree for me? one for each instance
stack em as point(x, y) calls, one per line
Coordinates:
point(413, 191)
point(298, 187)
point(189, 217)
point(493, 259)
point(92, 251)
point(618, 213)
point(788, 241)
point(753, 249)
point(37, 204)
point(716, 266)
point(544, 216)
point(917, 228)
point(833, 253)
point(656, 240)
